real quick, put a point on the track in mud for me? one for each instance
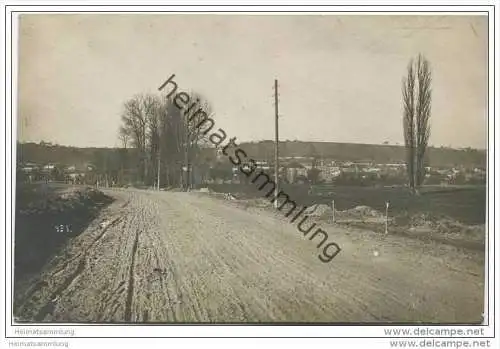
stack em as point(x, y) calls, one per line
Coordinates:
point(179, 257)
point(130, 292)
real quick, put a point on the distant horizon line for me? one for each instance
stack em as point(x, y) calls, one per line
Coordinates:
point(389, 144)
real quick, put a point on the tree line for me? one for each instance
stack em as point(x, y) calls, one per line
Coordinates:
point(166, 141)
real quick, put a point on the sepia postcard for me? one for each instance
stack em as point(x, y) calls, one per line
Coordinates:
point(245, 168)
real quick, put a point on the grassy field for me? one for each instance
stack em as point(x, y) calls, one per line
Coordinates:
point(466, 204)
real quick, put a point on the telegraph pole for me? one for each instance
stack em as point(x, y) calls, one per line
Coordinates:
point(158, 179)
point(186, 158)
point(276, 145)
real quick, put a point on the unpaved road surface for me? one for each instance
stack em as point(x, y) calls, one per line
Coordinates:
point(186, 257)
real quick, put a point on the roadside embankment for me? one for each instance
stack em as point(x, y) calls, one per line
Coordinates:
point(46, 218)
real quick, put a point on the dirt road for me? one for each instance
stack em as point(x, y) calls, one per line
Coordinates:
point(185, 257)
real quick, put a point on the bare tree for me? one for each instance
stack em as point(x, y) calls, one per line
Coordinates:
point(153, 135)
point(416, 115)
point(423, 113)
point(196, 136)
point(181, 139)
point(172, 142)
point(124, 137)
point(409, 123)
point(136, 116)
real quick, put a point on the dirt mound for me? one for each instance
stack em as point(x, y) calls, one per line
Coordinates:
point(422, 219)
point(365, 211)
point(319, 211)
point(360, 212)
point(63, 201)
point(440, 228)
point(225, 196)
point(447, 227)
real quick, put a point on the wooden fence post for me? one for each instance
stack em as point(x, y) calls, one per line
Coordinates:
point(333, 211)
point(386, 216)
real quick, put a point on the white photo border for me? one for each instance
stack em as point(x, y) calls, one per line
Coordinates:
point(221, 330)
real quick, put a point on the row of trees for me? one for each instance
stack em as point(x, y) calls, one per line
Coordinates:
point(166, 141)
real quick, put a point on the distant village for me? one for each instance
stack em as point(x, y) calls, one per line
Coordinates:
point(293, 170)
point(311, 170)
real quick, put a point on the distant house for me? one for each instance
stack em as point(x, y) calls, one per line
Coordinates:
point(76, 177)
point(371, 170)
point(349, 167)
point(326, 163)
point(363, 164)
point(263, 165)
point(48, 168)
point(29, 167)
point(328, 172)
point(293, 170)
point(70, 169)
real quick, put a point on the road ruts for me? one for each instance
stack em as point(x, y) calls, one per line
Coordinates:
point(185, 257)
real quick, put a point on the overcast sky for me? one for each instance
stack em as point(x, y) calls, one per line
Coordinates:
point(339, 76)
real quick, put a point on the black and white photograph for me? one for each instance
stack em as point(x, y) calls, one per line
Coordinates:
point(246, 168)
